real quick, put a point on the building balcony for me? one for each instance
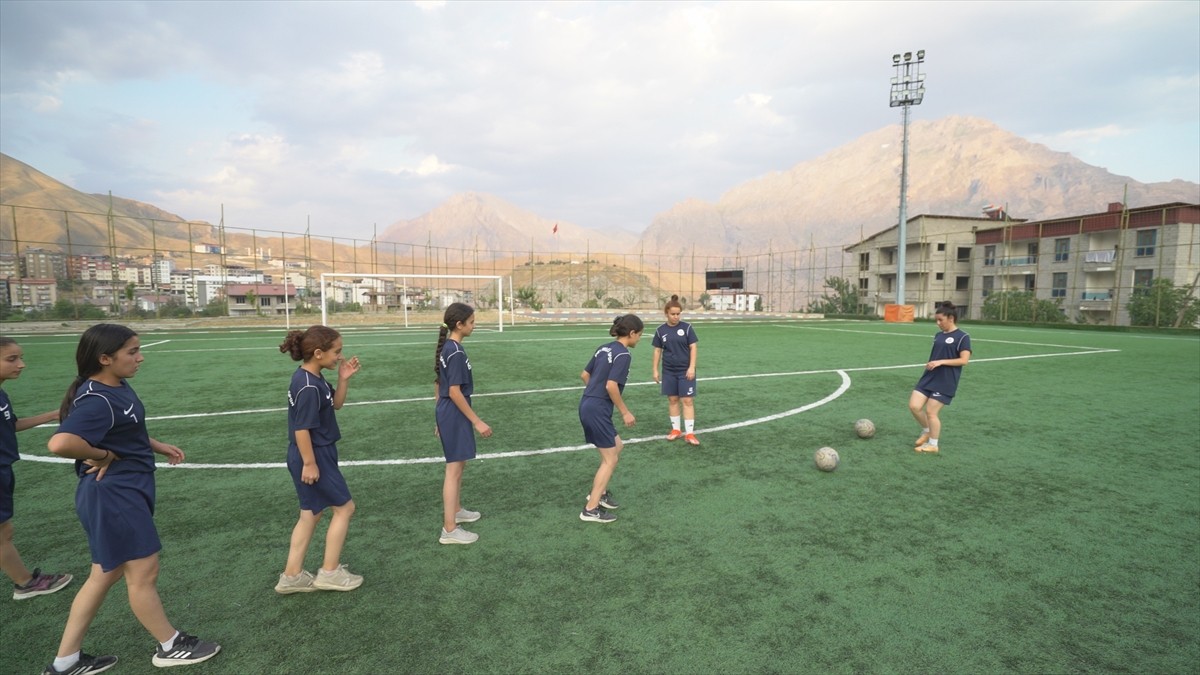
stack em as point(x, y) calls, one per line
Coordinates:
point(1017, 261)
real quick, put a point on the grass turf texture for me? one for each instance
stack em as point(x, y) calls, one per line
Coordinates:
point(1058, 531)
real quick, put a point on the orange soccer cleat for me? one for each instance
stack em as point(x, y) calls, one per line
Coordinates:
point(675, 434)
point(691, 439)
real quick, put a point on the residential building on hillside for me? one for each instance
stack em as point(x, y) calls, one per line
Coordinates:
point(257, 299)
point(38, 263)
point(1091, 263)
point(938, 256)
point(32, 293)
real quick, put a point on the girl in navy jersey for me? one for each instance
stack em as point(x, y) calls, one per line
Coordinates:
point(312, 459)
point(26, 584)
point(675, 345)
point(604, 380)
point(951, 351)
point(456, 420)
point(103, 429)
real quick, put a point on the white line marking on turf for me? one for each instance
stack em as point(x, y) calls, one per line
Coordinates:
point(155, 344)
point(842, 388)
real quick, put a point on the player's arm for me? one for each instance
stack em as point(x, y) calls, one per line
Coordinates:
point(654, 363)
point(173, 454)
point(310, 473)
point(585, 376)
point(963, 357)
point(460, 402)
point(70, 446)
point(614, 393)
point(346, 370)
point(24, 423)
point(691, 371)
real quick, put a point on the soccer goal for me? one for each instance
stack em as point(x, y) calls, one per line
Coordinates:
point(419, 298)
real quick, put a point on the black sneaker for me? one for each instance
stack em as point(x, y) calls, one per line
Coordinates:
point(607, 501)
point(86, 664)
point(597, 515)
point(188, 649)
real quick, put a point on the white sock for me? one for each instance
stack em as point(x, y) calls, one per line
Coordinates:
point(675, 422)
point(933, 442)
point(689, 426)
point(924, 430)
point(169, 644)
point(62, 663)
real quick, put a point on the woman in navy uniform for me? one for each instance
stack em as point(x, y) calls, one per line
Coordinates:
point(675, 345)
point(604, 380)
point(951, 351)
point(103, 429)
point(456, 419)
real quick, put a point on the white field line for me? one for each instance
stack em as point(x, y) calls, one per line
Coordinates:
point(842, 388)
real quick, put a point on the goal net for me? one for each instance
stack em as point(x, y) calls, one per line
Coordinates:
point(415, 299)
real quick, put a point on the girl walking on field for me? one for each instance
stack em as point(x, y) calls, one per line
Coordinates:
point(104, 430)
point(456, 420)
point(312, 459)
point(604, 380)
point(675, 345)
point(951, 351)
point(26, 584)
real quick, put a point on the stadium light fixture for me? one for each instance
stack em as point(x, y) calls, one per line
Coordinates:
point(908, 89)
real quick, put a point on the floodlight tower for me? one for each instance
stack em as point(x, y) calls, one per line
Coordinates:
point(908, 89)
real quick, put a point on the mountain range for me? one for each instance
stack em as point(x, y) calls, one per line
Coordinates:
point(957, 166)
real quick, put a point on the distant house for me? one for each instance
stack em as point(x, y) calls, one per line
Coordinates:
point(729, 300)
point(256, 299)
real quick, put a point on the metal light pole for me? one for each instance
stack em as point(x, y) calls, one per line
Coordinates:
point(908, 89)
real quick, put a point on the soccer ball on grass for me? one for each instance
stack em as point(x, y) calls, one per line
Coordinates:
point(826, 459)
point(864, 428)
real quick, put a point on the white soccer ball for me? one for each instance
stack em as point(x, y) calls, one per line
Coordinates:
point(864, 428)
point(826, 459)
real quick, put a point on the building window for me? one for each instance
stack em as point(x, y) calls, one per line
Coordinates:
point(1142, 280)
point(964, 254)
point(889, 256)
point(864, 262)
point(1058, 286)
point(1030, 282)
point(942, 246)
point(1032, 250)
point(989, 283)
point(863, 284)
point(961, 283)
point(989, 255)
point(1062, 250)
point(940, 275)
point(1145, 242)
point(264, 301)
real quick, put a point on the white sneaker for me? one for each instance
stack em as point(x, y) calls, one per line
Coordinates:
point(465, 516)
point(339, 579)
point(458, 536)
point(301, 583)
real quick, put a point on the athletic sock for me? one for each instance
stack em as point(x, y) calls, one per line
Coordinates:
point(689, 425)
point(933, 442)
point(675, 423)
point(924, 430)
point(64, 663)
point(169, 644)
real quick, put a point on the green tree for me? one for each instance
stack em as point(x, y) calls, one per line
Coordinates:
point(843, 298)
point(705, 300)
point(251, 297)
point(527, 295)
point(1021, 306)
point(1161, 304)
point(217, 307)
point(613, 303)
point(758, 304)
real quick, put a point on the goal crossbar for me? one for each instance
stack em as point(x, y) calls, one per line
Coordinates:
point(402, 278)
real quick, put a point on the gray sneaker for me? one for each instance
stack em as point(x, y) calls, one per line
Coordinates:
point(458, 536)
point(301, 583)
point(339, 579)
point(465, 516)
point(596, 515)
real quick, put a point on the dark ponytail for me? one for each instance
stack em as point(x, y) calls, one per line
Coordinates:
point(625, 324)
point(947, 309)
point(301, 345)
point(99, 340)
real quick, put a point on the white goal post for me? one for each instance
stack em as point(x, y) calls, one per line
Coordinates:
point(401, 286)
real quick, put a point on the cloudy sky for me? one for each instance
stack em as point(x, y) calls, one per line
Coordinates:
point(354, 115)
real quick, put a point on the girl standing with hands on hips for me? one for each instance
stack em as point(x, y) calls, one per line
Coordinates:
point(103, 429)
point(26, 584)
point(456, 420)
point(675, 345)
point(312, 459)
point(604, 380)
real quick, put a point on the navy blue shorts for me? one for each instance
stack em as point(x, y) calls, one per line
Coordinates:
point(8, 486)
point(456, 432)
point(330, 488)
point(596, 416)
point(677, 384)
point(117, 513)
point(935, 395)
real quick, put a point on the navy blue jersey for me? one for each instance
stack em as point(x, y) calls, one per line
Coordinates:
point(610, 362)
point(8, 431)
point(310, 406)
point(676, 345)
point(944, 379)
point(111, 418)
point(454, 368)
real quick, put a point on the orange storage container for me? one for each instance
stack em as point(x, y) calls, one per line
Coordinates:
point(898, 313)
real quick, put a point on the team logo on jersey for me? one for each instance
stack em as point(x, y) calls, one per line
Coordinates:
point(132, 415)
point(950, 340)
point(679, 332)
